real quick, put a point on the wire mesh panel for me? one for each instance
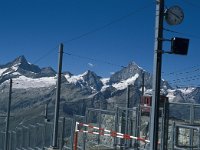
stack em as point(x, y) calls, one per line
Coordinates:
point(25, 136)
point(13, 140)
point(179, 112)
point(33, 135)
point(183, 114)
point(103, 119)
point(40, 131)
point(19, 135)
point(182, 140)
point(177, 115)
point(107, 121)
point(39, 135)
point(144, 121)
point(197, 114)
point(68, 133)
point(129, 123)
point(60, 133)
point(48, 128)
point(2, 140)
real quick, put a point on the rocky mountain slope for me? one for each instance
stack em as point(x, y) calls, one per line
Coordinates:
point(33, 87)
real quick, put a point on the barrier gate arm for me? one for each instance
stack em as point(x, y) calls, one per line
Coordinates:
point(102, 132)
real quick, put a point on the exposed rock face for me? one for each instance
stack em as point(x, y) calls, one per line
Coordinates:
point(33, 87)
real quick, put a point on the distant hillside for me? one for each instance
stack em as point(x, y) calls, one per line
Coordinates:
point(33, 87)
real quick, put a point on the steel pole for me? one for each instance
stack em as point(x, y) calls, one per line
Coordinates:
point(57, 103)
point(143, 83)
point(154, 126)
point(127, 113)
point(8, 116)
point(63, 133)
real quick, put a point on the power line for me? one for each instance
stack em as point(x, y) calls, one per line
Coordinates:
point(95, 30)
point(191, 4)
point(108, 24)
point(187, 79)
point(181, 33)
point(46, 54)
point(92, 59)
point(185, 85)
point(183, 71)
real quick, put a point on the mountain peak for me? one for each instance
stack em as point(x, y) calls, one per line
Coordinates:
point(23, 65)
point(127, 72)
point(20, 60)
point(89, 72)
point(134, 66)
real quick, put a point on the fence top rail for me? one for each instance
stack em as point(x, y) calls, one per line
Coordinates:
point(124, 108)
point(176, 103)
point(101, 110)
point(187, 127)
point(78, 116)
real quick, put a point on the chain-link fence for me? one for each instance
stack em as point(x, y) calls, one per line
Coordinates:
point(183, 128)
point(33, 136)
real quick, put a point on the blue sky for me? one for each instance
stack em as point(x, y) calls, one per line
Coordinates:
point(34, 28)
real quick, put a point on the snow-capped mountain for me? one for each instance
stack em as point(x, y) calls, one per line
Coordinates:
point(34, 86)
point(87, 79)
point(26, 75)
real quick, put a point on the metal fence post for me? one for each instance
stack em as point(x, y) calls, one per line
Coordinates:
point(116, 126)
point(199, 139)
point(99, 124)
point(165, 124)
point(84, 134)
point(136, 133)
point(15, 138)
point(123, 127)
point(73, 131)
point(191, 122)
point(62, 134)
point(172, 135)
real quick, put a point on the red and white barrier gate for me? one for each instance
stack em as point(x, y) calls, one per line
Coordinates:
point(103, 132)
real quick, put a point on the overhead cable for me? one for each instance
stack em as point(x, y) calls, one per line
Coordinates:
point(181, 33)
point(92, 59)
point(187, 70)
point(95, 30)
point(108, 24)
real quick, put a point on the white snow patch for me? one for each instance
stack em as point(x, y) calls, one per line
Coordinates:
point(16, 73)
point(15, 67)
point(104, 87)
point(67, 76)
point(186, 90)
point(74, 79)
point(171, 95)
point(105, 83)
point(7, 72)
point(123, 84)
point(2, 71)
point(23, 82)
point(105, 80)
